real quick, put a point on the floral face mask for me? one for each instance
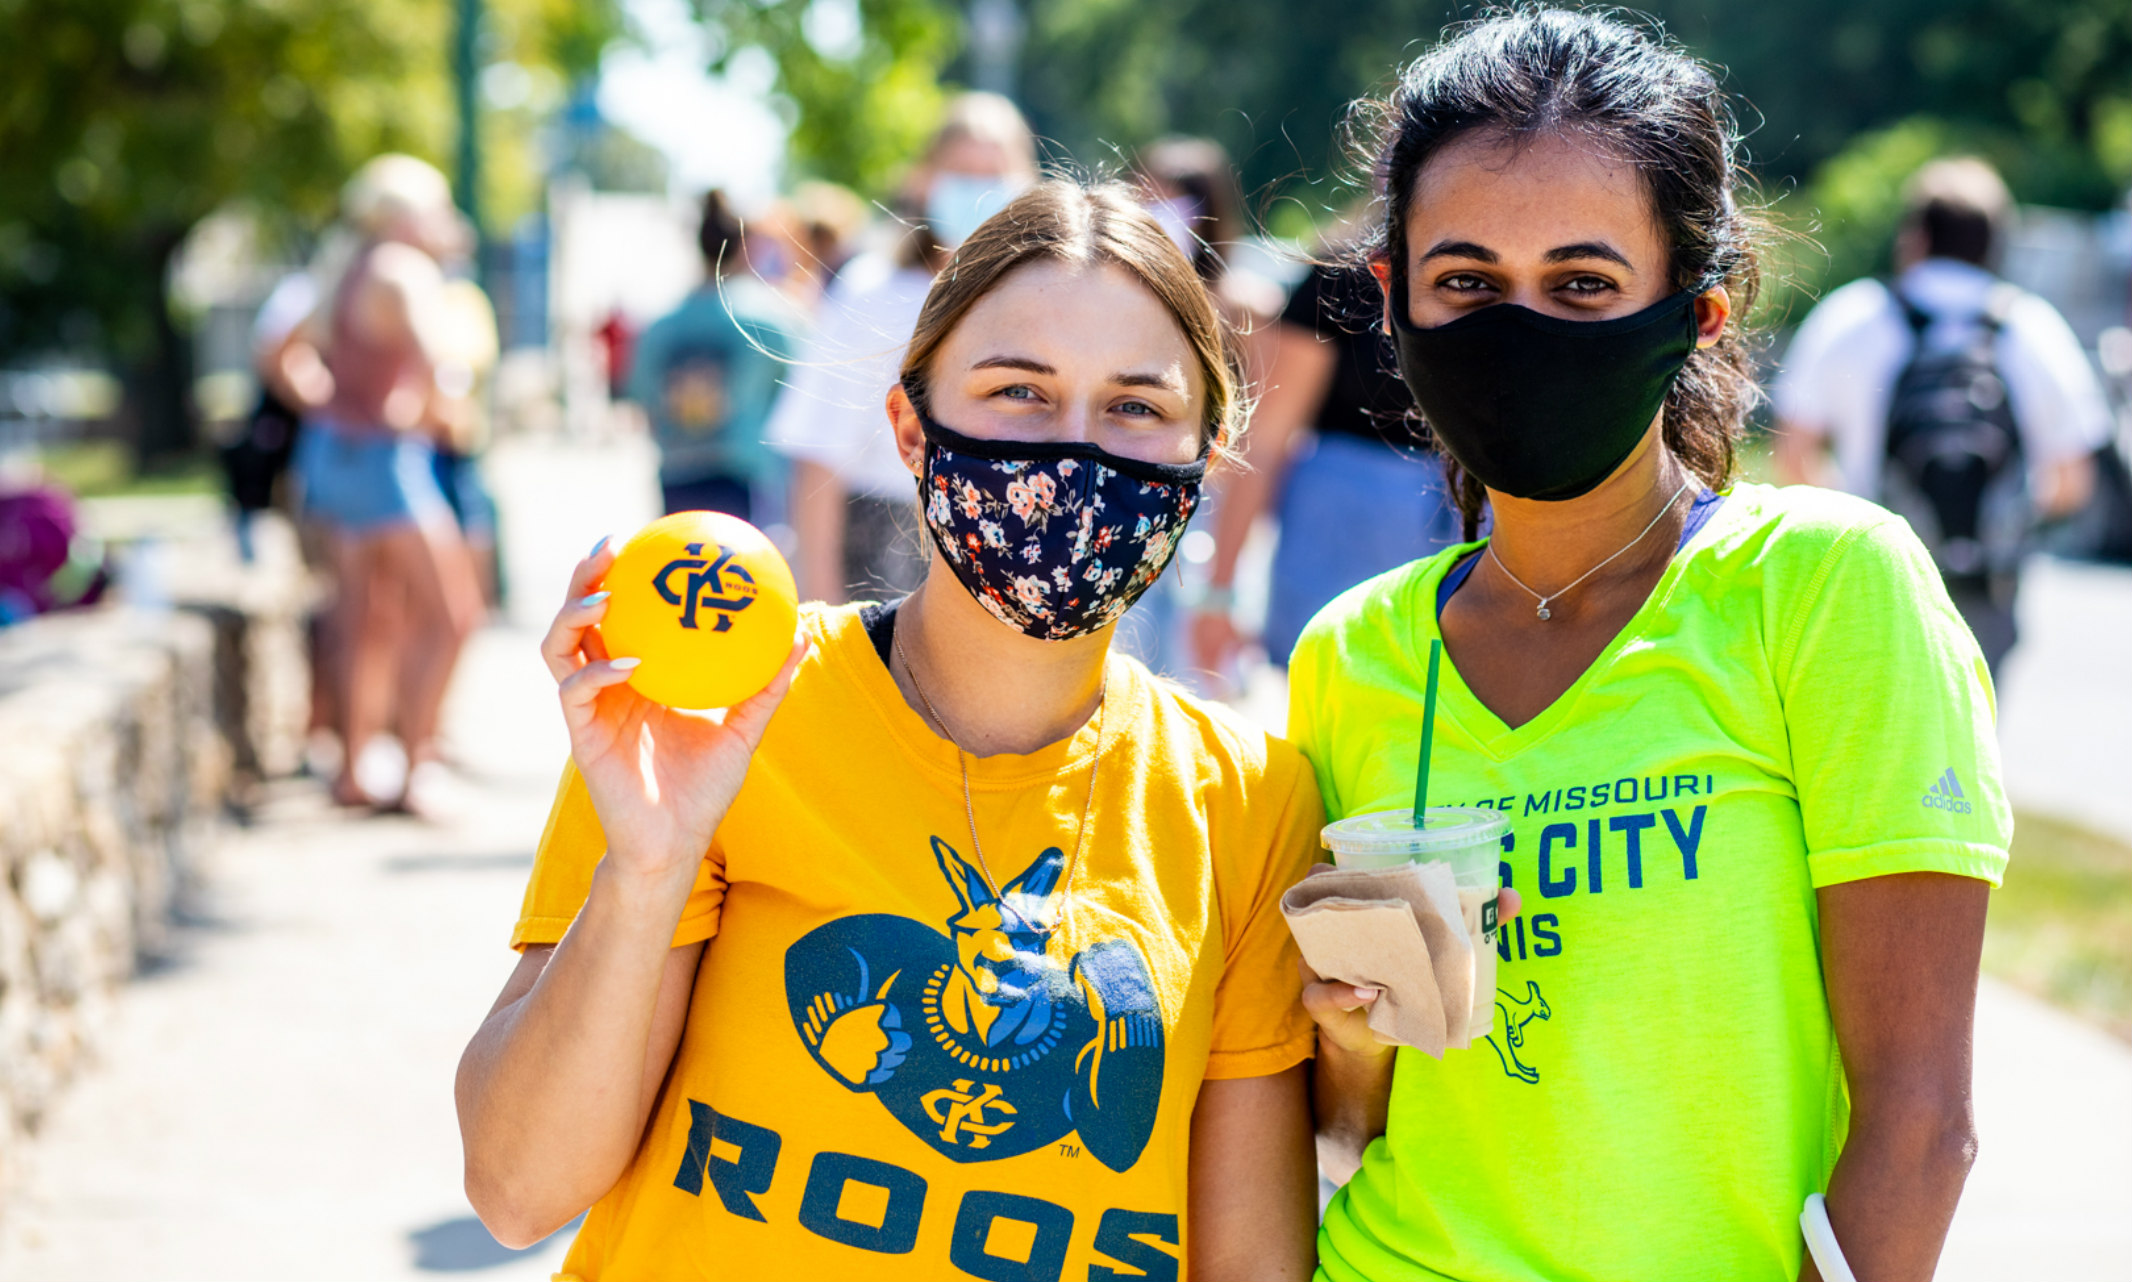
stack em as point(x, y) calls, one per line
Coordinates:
point(1056, 540)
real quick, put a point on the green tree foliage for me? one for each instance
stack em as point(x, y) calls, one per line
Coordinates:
point(123, 123)
point(2044, 86)
point(864, 99)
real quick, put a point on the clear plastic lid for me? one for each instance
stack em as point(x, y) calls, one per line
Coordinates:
point(1392, 832)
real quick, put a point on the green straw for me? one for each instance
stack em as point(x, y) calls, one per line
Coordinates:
point(1428, 735)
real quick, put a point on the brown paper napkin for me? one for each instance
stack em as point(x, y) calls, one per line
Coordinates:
point(1400, 930)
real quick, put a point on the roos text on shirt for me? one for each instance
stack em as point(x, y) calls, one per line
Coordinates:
point(878, 1206)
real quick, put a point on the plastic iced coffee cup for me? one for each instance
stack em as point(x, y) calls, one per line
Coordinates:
point(1470, 840)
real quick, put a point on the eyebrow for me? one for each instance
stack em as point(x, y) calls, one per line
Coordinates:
point(1461, 249)
point(1023, 363)
point(1566, 253)
point(1165, 381)
point(1588, 249)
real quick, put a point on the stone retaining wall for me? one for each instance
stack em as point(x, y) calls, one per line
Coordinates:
point(127, 736)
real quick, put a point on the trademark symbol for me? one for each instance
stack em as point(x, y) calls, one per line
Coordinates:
point(1069, 1150)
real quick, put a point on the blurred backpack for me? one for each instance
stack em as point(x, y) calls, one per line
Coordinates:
point(1954, 466)
point(256, 459)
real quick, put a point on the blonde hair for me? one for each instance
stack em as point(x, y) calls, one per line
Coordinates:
point(1066, 222)
point(985, 117)
point(391, 188)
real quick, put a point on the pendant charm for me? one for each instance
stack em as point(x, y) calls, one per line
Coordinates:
point(1544, 614)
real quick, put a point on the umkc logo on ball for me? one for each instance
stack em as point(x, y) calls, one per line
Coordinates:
point(730, 587)
point(977, 1039)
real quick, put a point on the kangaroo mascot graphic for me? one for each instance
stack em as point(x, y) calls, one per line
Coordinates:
point(1511, 1016)
point(977, 1039)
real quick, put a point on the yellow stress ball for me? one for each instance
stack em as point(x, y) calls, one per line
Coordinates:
point(706, 601)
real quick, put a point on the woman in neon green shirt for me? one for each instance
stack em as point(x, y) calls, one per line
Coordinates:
point(1744, 742)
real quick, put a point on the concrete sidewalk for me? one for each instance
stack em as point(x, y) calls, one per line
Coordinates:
point(2065, 696)
point(2051, 1194)
point(276, 1106)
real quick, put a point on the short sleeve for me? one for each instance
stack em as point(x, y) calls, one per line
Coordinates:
point(1889, 709)
point(833, 397)
point(1305, 673)
point(2056, 397)
point(1800, 393)
point(646, 368)
point(1260, 1027)
point(571, 847)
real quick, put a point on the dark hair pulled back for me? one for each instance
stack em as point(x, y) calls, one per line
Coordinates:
point(1537, 72)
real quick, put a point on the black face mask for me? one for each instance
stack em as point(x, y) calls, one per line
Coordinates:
point(1538, 407)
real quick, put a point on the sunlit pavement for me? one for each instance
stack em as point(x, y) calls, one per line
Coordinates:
point(276, 1105)
point(2051, 1194)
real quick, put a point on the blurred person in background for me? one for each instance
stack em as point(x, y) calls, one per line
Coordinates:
point(408, 596)
point(292, 382)
point(1194, 194)
point(706, 375)
point(851, 508)
point(1192, 190)
point(826, 221)
point(1337, 452)
point(254, 462)
point(469, 347)
point(1954, 398)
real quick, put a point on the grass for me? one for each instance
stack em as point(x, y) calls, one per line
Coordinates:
point(101, 469)
point(2061, 927)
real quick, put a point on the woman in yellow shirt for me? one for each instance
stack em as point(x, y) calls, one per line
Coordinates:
point(958, 950)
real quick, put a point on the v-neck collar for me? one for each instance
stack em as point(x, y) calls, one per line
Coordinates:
point(1456, 701)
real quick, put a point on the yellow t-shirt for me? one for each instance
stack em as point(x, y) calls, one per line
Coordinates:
point(891, 1071)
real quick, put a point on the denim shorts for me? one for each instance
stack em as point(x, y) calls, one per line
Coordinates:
point(1351, 510)
point(365, 480)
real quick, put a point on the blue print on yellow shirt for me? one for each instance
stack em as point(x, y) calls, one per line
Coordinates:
point(976, 1038)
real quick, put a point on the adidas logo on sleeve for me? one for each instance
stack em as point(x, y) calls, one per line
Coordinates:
point(1946, 794)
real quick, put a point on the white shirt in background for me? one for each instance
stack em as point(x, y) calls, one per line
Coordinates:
point(292, 301)
point(1841, 367)
point(833, 410)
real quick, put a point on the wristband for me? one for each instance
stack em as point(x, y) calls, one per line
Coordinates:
point(1821, 1241)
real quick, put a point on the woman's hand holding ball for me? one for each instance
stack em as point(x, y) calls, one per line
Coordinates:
point(662, 778)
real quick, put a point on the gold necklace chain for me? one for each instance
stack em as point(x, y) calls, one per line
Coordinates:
point(1557, 594)
point(969, 808)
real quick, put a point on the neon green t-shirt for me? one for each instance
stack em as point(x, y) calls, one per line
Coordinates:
point(1796, 705)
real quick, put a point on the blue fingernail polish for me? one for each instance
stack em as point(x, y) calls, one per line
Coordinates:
point(591, 599)
point(604, 540)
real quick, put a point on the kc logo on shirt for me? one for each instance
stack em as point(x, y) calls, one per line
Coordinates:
point(975, 1038)
point(713, 584)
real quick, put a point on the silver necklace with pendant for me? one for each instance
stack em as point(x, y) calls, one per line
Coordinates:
point(1557, 594)
point(969, 806)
